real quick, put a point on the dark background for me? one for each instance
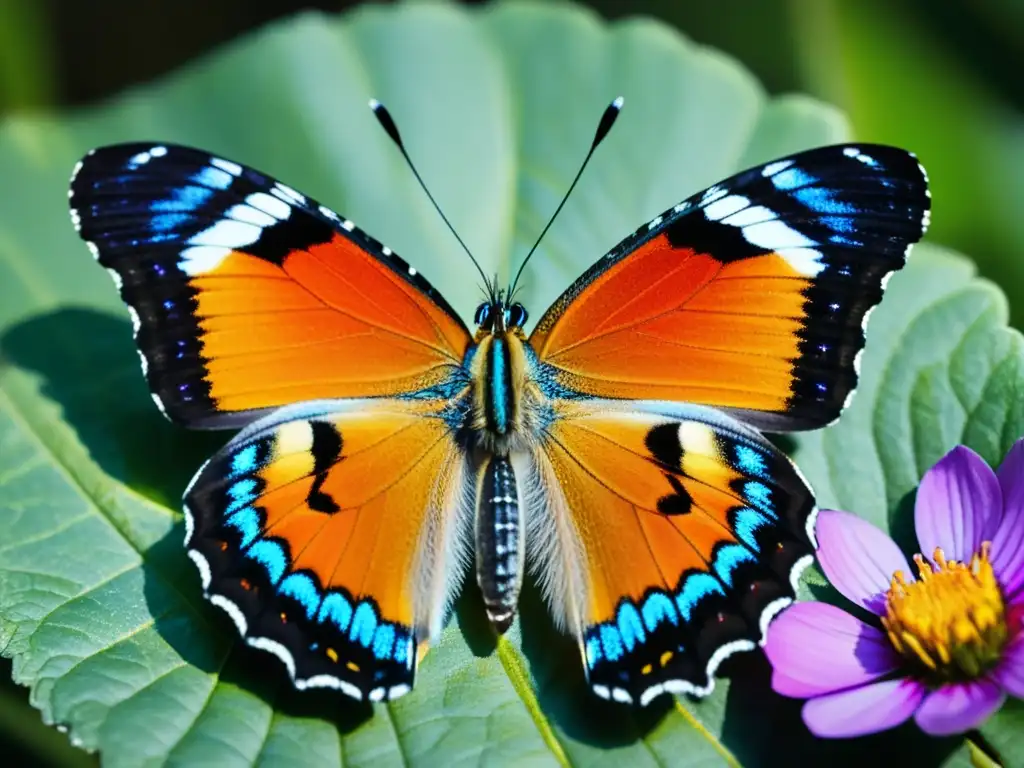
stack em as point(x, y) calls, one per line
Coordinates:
point(940, 77)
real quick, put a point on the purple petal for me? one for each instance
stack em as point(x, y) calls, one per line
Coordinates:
point(1008, 541)
point(1010, 672)
point(870, 709)
point(858, 558)
point(959, 505)
point(958, 708)
point(816, 648)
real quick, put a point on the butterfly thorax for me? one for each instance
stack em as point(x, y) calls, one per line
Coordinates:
point(505, 397)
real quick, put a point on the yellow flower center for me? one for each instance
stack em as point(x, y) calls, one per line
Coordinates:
point(951, 622)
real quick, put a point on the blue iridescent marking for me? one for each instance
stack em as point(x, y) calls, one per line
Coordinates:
point(728, 558)
point(270, 555)
point(499, 392)
point(183, 199)
point(213, 177)
point(760, 495)
point(364, 623)
point(241, 493)
point(631, 628)
point(383, 640)
point(750, 462)
point(593, 650)
point(696, 587)
point(747, 522)
point(822, 201)
point(611, 642)
point(843, 240)
point(403, 644)
point(168, 221)
point(301, 587)
point(244, 462)
point(337, 610)
point(838, 223)
point(657, 608)
point(791, 178)
point(247, 522)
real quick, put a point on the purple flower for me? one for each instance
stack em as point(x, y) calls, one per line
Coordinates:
point(948, 645)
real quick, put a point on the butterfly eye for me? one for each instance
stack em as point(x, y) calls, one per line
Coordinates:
point(516, 316)
point(482, 314)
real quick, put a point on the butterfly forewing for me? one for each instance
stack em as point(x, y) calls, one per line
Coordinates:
point(750, 296)
point(247, 295)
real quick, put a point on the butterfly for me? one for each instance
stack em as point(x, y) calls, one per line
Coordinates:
point(615, 451)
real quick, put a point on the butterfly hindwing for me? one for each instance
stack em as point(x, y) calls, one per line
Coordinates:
point(247, 295)
point(672, 535)
point(750, 296)
point(334, 534)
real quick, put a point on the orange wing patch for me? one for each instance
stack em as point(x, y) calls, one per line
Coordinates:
point(692, 330)
point(325, 535)
point(327, 322)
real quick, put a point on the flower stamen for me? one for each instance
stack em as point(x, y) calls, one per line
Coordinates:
point(951, 622)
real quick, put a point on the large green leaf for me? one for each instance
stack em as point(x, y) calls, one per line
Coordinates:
point(99, 608)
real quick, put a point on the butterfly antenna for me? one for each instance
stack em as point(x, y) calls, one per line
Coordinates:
point(388, 124)
point(603, 127)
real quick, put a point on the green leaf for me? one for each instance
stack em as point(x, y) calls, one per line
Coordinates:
point(100, 610)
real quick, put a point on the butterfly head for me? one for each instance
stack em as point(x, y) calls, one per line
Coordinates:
point(498, 316)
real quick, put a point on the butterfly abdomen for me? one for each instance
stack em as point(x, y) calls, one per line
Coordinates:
point(499, 541)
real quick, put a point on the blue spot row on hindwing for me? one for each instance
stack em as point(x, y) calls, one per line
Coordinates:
point(358, 622)
point(613, 639)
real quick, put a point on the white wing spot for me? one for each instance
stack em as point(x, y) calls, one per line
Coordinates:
point(289, 192)
point(412, 272)
point(347, 225)
point(249, 215)
point(274, 647)
point(136, 322)
point(755, 214)
point(199, 560)
point(386, 251)
point(712, 193)
point(279, 209)
point(227, 234)
point(727, 206)
point(774, 235)
point(226, 165)
point(113, 275)
point(772, 168)
point(654, 222)
point(230, 609)
point(806, 261)
point(201, 259)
